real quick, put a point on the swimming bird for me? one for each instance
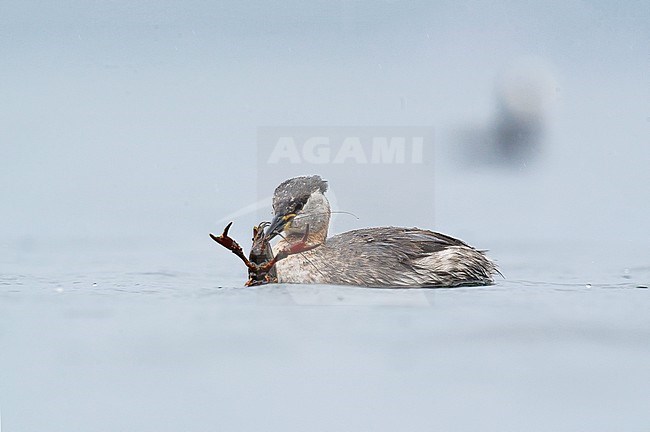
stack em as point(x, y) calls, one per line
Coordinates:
point(373, 257)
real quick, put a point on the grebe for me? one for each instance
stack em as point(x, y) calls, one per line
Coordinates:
point(372, 257)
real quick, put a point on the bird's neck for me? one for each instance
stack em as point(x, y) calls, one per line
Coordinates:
point(313, 239)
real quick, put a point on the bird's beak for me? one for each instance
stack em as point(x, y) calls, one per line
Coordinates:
point(278, 224)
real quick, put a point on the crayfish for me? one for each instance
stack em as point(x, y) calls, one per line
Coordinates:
point(260, 261)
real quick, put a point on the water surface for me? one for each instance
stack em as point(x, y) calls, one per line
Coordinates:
point(153, 345)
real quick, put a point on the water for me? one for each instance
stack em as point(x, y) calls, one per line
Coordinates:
point(128, 129)
point(157, 344)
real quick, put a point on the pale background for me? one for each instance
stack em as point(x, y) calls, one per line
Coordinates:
point(128, 131)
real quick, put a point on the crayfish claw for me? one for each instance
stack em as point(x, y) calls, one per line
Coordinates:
point(225, 230)
point(224, 240)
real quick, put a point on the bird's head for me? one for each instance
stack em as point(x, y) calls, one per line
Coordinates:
point(297, 203)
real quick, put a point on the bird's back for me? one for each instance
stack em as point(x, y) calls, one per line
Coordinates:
point(389, 257)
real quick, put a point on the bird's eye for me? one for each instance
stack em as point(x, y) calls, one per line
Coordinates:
point(298, 207)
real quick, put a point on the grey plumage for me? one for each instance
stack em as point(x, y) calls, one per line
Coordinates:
point(389, 257)
point(373, 257)
point(295, 192)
